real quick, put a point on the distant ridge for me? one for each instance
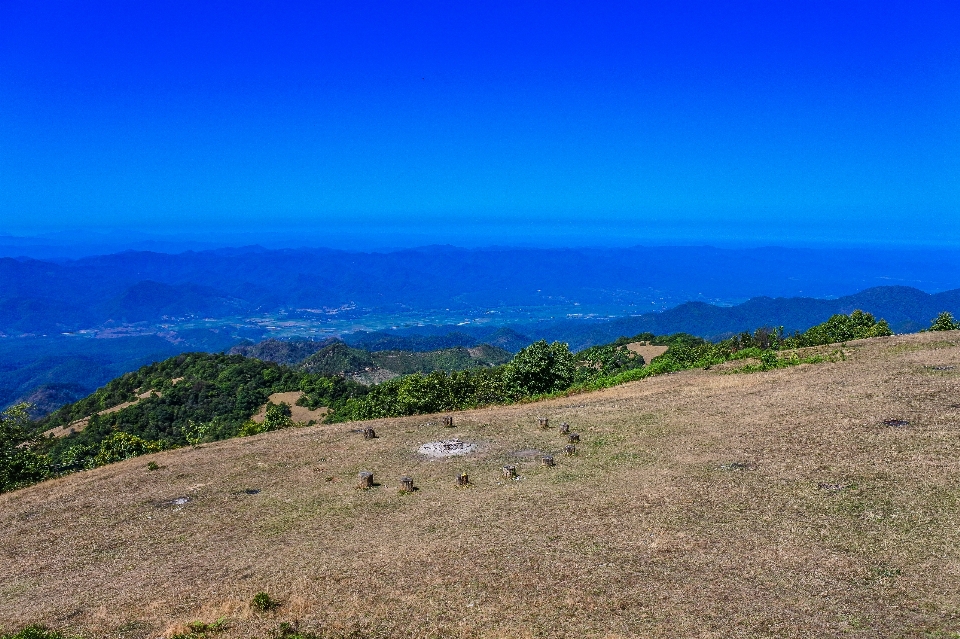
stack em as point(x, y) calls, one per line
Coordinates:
point(49, 371)
point(905, 308)
point(49, 297)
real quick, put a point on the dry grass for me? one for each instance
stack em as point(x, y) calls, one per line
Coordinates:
point(701, 504)
point(299, 414)
point(647, 351)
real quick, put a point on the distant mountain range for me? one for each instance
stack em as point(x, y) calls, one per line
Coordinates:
point(44, 297)
point(906, 309)
point(134, 298)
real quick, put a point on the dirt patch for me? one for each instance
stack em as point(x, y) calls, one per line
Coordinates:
point(647, 351)
point(80, 424)
point(299, 414)
point(447, 448)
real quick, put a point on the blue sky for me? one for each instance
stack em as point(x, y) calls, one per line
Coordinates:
point(483, 123)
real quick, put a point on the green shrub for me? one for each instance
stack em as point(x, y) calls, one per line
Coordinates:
point(277, 416)
point(120, 446)
point(21, 463)
point(202, 629)
point(944, 322)
point(540, 368)
point(264, 602)
point(841, 328)
point(287, 630)
point(35, 632)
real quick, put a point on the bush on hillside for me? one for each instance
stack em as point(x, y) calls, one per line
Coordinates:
point(841, 328)
point(35, 631)
point(540, 368)
point(944, 322)
point(21, 463)
point(605, 360)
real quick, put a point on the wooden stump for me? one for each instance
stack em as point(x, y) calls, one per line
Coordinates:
point(406, 484)
point(574, 438)
point(564, 428)
point(463, 479)
point(509, 472)
point(369, 433)
point(364, 480)
point(570, 449)
point(547, 460)
point(544, 422)
point(447, 420)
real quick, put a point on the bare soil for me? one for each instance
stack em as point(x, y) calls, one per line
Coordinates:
point(699, 504)
point(299, 414)
point(647, 351)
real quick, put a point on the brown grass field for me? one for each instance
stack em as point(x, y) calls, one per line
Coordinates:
point(299, 414)
point(701, 504)
point(647, 351)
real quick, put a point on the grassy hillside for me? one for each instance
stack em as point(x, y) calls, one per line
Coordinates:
point(809, 501)
point(199, 398)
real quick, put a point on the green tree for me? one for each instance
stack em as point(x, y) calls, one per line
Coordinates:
point(21, 464)
point(540, 368)
point(277, 416)
point(944, 322)
point(120, 446)
point(842, 328)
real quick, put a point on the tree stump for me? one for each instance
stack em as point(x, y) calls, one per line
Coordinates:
point(570, 449)
point(544, 422)
point(447, 420)
point(574, 438)
point(463, 479)
point(564, 428)
point(547, 460)
point(369, 433)
point(364, 480)
point(509, 472)
point(406, 484)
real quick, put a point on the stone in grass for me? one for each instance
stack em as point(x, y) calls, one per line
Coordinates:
point(406, 485)
point(896, 423)
point(547, 460)
point(570, 449)
point(744, 465)
point(574, 438)
point(364, 480)
point(463, 479)
point(369, 433)
point(564, 428)
point(509, 472)
point(544, 422)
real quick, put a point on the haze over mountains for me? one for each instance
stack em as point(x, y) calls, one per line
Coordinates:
point(69, 326)
point(473, 284)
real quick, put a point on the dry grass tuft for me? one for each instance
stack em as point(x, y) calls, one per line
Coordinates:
point(772, 504)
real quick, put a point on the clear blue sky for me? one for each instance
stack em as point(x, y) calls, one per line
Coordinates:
point(466, 122)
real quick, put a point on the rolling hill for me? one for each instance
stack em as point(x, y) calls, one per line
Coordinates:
point(816, 500)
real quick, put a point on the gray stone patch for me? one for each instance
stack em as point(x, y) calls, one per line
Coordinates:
point(447, 448)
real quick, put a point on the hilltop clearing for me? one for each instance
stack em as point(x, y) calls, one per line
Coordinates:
point(809, 501)
point(298, 414)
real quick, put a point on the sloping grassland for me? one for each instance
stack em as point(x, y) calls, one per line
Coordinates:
point(817, 500)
